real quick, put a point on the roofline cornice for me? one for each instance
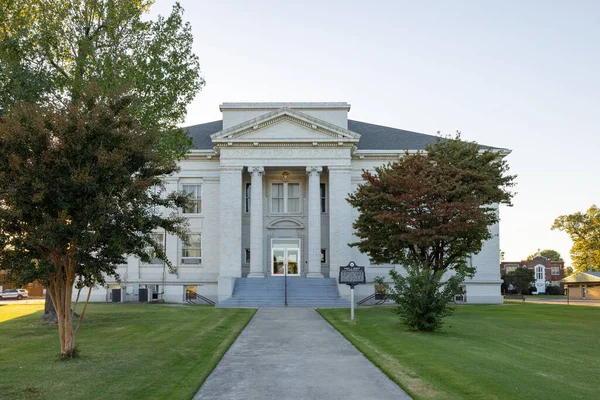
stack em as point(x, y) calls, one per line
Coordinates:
point(278, 105)
point(236, 133)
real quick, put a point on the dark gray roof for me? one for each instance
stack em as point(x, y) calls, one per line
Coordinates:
point(377, 137)
point(201, 134)
point(373, 137)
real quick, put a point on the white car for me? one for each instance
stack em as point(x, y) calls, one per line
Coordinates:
point(18, 294)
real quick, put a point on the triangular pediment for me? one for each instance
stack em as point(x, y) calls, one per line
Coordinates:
point(285, 125)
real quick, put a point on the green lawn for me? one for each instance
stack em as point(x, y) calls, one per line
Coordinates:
point(516, 350)
point(140, 351)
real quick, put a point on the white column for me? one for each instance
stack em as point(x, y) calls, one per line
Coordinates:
point(256, 222)
point(230, 235)
point(340, 218)
point(314, 222)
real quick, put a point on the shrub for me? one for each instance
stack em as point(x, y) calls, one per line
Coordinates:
point(554, 290)
point(423, 296)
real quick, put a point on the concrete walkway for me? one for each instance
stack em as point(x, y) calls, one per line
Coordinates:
point(293, 353)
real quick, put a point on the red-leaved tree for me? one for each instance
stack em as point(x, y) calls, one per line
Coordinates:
point(429, 212)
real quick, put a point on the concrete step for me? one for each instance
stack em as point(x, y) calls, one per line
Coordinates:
point(270, 291)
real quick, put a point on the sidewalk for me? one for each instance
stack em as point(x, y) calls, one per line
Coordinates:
point(293, 353)
point(588, 303)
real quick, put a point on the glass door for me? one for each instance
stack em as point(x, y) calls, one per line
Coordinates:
point(285, 257)
point(278, 261)
point(292, 260)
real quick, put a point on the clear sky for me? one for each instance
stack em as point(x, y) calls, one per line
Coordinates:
point(523, 75)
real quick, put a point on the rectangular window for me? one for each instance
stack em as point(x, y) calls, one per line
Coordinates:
point(293, 197)
point(247, 206)
point(192, 253)
point(555, 270)
point(155, 191)
point(195, 200)
point(160, 239)
point(510, 268)
point(277, 198)
point(323, 256)
point(247, 258)
point(323, 198)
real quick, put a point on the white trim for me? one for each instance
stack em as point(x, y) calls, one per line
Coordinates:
point(236, 133)
point(276, 105)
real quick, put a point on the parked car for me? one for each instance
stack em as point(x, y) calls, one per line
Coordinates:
point(18, 294)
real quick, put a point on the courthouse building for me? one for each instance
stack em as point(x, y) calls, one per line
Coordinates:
point(269, 184)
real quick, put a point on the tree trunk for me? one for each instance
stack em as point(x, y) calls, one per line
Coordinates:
point(49, 311)
point(50, 315)
point(61, 290)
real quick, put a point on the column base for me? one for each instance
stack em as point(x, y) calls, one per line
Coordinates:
point(314, 275)
point(256, 275)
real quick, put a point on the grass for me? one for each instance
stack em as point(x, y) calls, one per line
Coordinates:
point(137, 351)
point(516, 350)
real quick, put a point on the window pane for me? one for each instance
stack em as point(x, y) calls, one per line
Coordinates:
point(193, 249)
point(248, 196)
point(293, 190)
point(293, 205)
point(277, 197)
point(195, 203)
point(323, 198)
point(277, 205)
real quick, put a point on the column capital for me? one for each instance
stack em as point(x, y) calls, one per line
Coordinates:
point(256, 170)
point(314, 170)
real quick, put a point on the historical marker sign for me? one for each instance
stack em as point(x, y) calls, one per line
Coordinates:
point(352, 275)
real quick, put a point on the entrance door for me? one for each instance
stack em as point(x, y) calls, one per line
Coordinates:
point(285, 257)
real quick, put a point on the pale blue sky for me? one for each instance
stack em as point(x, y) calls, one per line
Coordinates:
point(524, 75)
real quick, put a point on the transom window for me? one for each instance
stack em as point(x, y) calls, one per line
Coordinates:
point(191, 253)
point(194, 205)
point(285, 197)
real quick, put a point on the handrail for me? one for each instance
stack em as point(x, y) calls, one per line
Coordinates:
point(374, 295)
point(199, 296)
point(363, 301)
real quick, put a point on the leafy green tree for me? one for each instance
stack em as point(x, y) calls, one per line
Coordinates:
point(584, 230)
point(550, 254)
point(430, 212)
point(76, 198)
point(51, 50)
point(521, 279)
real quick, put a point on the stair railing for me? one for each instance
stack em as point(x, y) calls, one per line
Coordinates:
point(191, 293)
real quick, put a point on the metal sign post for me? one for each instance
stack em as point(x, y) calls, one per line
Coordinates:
point(285, 282)
point(352, 275)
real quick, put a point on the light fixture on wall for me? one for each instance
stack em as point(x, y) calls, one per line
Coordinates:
point(285, 176)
